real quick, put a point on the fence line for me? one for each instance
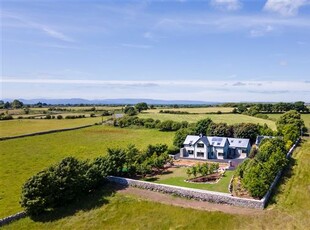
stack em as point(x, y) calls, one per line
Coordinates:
point(44, 132)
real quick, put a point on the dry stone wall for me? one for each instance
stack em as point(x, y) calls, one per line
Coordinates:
point(197, 194)
point(11, 218)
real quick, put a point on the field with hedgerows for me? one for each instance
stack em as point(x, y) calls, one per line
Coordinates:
point(289, 209)
point(25, 126)
point(110, 208)
point(22, 158)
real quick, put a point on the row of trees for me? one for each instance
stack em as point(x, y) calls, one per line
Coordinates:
point(208, 127)
point(257, 174)
point(70, 179)
point(150, 123)
point(256, 108)
point(16, 104)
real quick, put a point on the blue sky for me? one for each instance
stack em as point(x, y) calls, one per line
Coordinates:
point(217, 50)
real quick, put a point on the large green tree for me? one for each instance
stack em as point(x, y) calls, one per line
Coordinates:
point(141, 106)
point(220, 130)
point(16, 104)
point(246, 130)
point(202, 126)
point(180, 136)
point(291, 117)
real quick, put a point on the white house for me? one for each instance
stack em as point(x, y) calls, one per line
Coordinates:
point(219, 147)
point(195, 147)
point(202, 147)
point(239, 147)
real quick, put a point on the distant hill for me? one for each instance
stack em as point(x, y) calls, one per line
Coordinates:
point(120, 101)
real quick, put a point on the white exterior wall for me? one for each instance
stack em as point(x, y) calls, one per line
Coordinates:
point(204, 150)
point(196, 150)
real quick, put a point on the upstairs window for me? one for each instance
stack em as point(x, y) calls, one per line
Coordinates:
point(200, 145)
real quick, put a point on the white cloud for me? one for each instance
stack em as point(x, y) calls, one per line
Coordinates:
point(285, 7)
point(231, 90)
point(226, 5)
point(28, 24)
point(259, 32)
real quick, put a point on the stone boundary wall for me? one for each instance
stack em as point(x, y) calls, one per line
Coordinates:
point(197, 194)
point(11, 218)
point(44, 132)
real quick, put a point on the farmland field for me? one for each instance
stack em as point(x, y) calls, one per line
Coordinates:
point(228, 118)
point(25, 126)
point(22, 158)
point(179, 175)
point(289, 209)
point(305, 117)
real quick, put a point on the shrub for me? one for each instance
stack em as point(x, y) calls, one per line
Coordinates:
point(59, 117)
point(58, 185)
point(5, 117)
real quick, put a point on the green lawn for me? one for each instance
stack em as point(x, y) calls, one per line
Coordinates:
point(22, 158)
point(228, 118)
point(25, 126)
point(178, 175)
point(289, 210)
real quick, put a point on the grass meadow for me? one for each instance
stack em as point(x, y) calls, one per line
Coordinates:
point(178, 175)
point(25, 126)
point(288, 209)
point(21, 158)
point(228, 118)
point(305, 117)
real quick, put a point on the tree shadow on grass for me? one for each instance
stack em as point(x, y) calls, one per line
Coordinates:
point(88, 202)
point(151, 179)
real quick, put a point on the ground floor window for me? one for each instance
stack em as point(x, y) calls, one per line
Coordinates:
point(220, 154)
point(200, 154)
point(243, 150)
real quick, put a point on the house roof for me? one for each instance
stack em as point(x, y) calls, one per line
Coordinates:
point(192, 139)
point(238, 142)
point(217, 141)
point(260, 138)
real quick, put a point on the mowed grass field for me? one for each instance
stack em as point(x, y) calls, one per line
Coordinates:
point(25, 126)
point(178, 175)
point(289, 209)
point(21, 158)
point(217, 118)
